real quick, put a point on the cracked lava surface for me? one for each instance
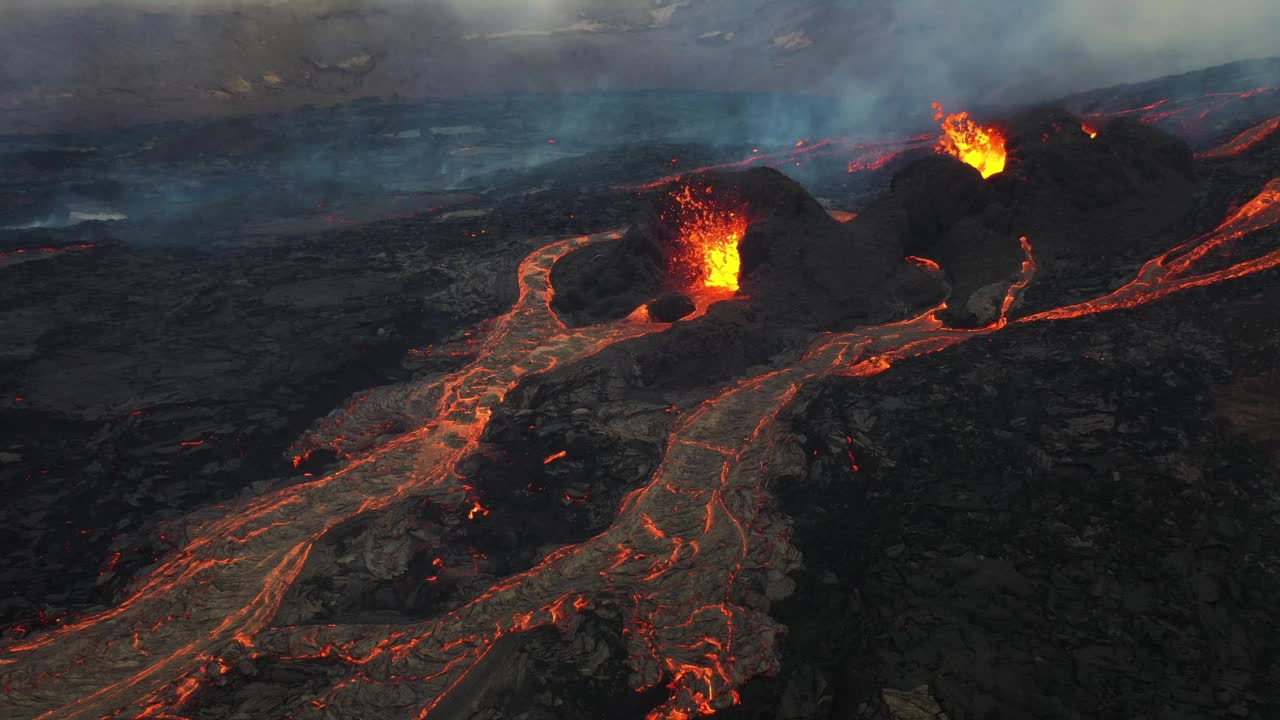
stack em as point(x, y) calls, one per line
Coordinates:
point(671, 560)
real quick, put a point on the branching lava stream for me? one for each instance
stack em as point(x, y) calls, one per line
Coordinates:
point(674, 559)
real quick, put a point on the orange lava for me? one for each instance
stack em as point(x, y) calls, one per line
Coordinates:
point(683, 561)
point(1187, 112)
point(707, 233)
point(212, 597)
point(979, 146)
point(1173, 271)
point(876, 156)
point(924, 264)
point(1250, 138)
point(14, 257)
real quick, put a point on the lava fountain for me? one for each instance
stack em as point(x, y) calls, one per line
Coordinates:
point(978, 145)
point(708, 229)
point(682, 560)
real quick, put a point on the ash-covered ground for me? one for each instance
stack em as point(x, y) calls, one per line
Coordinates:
point(1061, 520)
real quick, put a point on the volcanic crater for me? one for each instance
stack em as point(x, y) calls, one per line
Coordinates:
point(980, 445)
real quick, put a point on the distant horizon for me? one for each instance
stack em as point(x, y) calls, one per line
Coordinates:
point(75, 63)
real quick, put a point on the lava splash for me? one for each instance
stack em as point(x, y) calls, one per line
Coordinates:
point(979, 146)
point(708, 230)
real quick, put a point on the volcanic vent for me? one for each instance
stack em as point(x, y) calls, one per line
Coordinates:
point(694, 557)
point(754, 236)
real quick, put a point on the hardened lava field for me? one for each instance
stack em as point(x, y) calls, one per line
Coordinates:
point(990, 432)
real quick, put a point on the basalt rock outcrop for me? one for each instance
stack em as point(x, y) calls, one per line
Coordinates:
point(1120, 194)
point(800, 268)
point(1055, 519)
point(1123, 193)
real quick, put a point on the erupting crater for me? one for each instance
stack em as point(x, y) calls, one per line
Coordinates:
point(691, 560)
point(707, 231)
point(963, 138)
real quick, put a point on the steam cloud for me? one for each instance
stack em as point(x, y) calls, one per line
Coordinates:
point(1003, 50)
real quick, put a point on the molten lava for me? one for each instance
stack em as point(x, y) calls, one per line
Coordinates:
point(979, 146)
point(1188, 113)
point(20, 255)
point(707, 234)
point(681, 564)
point(868, 156)
point(924, 264)
point(1246, 140)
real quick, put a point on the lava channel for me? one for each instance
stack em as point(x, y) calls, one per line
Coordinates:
point(1246, 140)
point(677, 560)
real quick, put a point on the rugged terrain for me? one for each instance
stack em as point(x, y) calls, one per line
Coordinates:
point(1046, 516)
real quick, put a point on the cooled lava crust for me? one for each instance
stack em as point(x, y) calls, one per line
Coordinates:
point(672, 444)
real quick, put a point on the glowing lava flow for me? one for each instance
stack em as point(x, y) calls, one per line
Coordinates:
point(201, 608)
point(875, 155)
point(1172, 271)
point(1244, 141)
point(1188, 112)
point(684, 559)
point(707, 235)
point(981, 147)
point(21, 255)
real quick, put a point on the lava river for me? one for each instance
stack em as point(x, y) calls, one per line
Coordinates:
point(674, 559)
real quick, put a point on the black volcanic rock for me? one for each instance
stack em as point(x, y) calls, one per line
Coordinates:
point(1061, 189)
point(799, 267)
point(802, 267)
point(1064, 191)
point(1017, 528)
point(930, 196)
point(607, 281)
point(235, 136)
point(1050, 150)
point(671, 307)
point(1067, 519)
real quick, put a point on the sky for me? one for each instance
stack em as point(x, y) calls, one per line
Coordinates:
point(981, 50)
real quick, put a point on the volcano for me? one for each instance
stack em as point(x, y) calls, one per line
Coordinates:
point(976, 422)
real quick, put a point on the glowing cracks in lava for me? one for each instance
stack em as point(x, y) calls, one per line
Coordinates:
point(215, 595)
point(869, 161)
point(979, 146)
point(707, 233)
point(673, 560)
point(925, 264)
point(1173, 271)
point(1187, 112)
point(1250, 138)
point(13, 257)
point(554, 457)
point(876, 155)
